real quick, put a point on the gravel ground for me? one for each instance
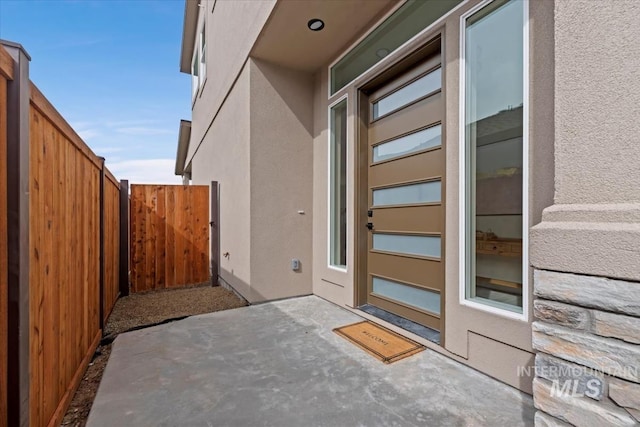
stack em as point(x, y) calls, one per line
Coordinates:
point(153, 307)
point(139, 310)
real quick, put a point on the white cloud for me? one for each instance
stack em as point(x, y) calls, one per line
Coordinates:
point(147, 171)
point(107, 150)
point(87, 134)
point(86, 130)
point(142, 130)
point(127, 123)
point(81, 124)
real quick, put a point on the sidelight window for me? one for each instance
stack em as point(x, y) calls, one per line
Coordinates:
point(338, 185)
point(494, 156)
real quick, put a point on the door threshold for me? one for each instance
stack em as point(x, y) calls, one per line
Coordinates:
point(406, 324)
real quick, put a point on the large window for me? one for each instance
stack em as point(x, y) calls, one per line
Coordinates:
point(195, 73)
point(199, 60)
point(494, 158)
point(338, 185)
point(203, 54)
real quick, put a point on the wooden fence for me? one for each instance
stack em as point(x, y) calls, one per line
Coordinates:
point(6, 74)
point(65, 277)
point(111, 243)
point(169, 236)
point(64, 253)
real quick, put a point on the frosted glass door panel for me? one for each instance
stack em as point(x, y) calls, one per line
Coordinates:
point(419, 298)
point(424, 192)
point(422, 87)
point(407, 244)
point(418, 141)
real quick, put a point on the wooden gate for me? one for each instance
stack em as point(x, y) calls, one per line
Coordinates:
point(169, 236)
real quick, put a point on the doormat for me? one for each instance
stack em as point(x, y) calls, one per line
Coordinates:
point(381, 343)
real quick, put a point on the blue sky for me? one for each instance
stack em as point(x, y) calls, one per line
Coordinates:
point(111, 68)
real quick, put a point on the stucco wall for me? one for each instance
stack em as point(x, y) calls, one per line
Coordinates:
point(232, 29)
point(281, 104)
point(594, 226)
point(597, 101)
point(224, 157)
point(587, 324)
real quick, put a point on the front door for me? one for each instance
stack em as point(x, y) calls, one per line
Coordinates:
point(406, 169)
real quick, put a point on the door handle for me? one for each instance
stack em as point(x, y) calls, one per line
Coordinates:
point(370, 225)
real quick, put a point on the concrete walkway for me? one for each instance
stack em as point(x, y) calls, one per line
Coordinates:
point(280, 364)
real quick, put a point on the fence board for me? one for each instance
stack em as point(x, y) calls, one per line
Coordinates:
point(51, 268)
point(150, 235)
point(3, 233)
point(170, 236)
point(160, 236)
point(37, 264)
point(111, 245)
point(201, 234)
point(65, 265)
point(6, 68)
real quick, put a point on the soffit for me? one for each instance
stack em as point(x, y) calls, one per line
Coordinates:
point(184, 135)
point(188, 34)
point(286, 40)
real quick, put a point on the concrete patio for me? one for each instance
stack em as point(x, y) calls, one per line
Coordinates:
point(280, 364)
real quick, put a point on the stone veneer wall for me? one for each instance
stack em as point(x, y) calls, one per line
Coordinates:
point(587, 335)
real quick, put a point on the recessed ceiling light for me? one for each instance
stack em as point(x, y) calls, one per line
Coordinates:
point(381, 53)
point(315, 24)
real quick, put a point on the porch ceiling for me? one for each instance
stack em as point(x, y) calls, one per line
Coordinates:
point(286, 40)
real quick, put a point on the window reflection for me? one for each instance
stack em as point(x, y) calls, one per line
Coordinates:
point(338, 185)
point(494, 132)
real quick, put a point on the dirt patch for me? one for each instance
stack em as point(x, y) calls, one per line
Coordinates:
point(138, 310)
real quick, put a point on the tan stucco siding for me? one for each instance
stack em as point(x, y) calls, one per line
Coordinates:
point(597, 101)
point(281, 165)
point(335, 285)
point(594, 228)
point(232, 29)
point(224, 157)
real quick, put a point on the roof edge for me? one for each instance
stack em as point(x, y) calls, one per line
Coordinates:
point(184, 135)
point(188, 34)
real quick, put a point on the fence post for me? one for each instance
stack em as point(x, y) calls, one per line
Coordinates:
point(124, 238)
point(18, 332)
